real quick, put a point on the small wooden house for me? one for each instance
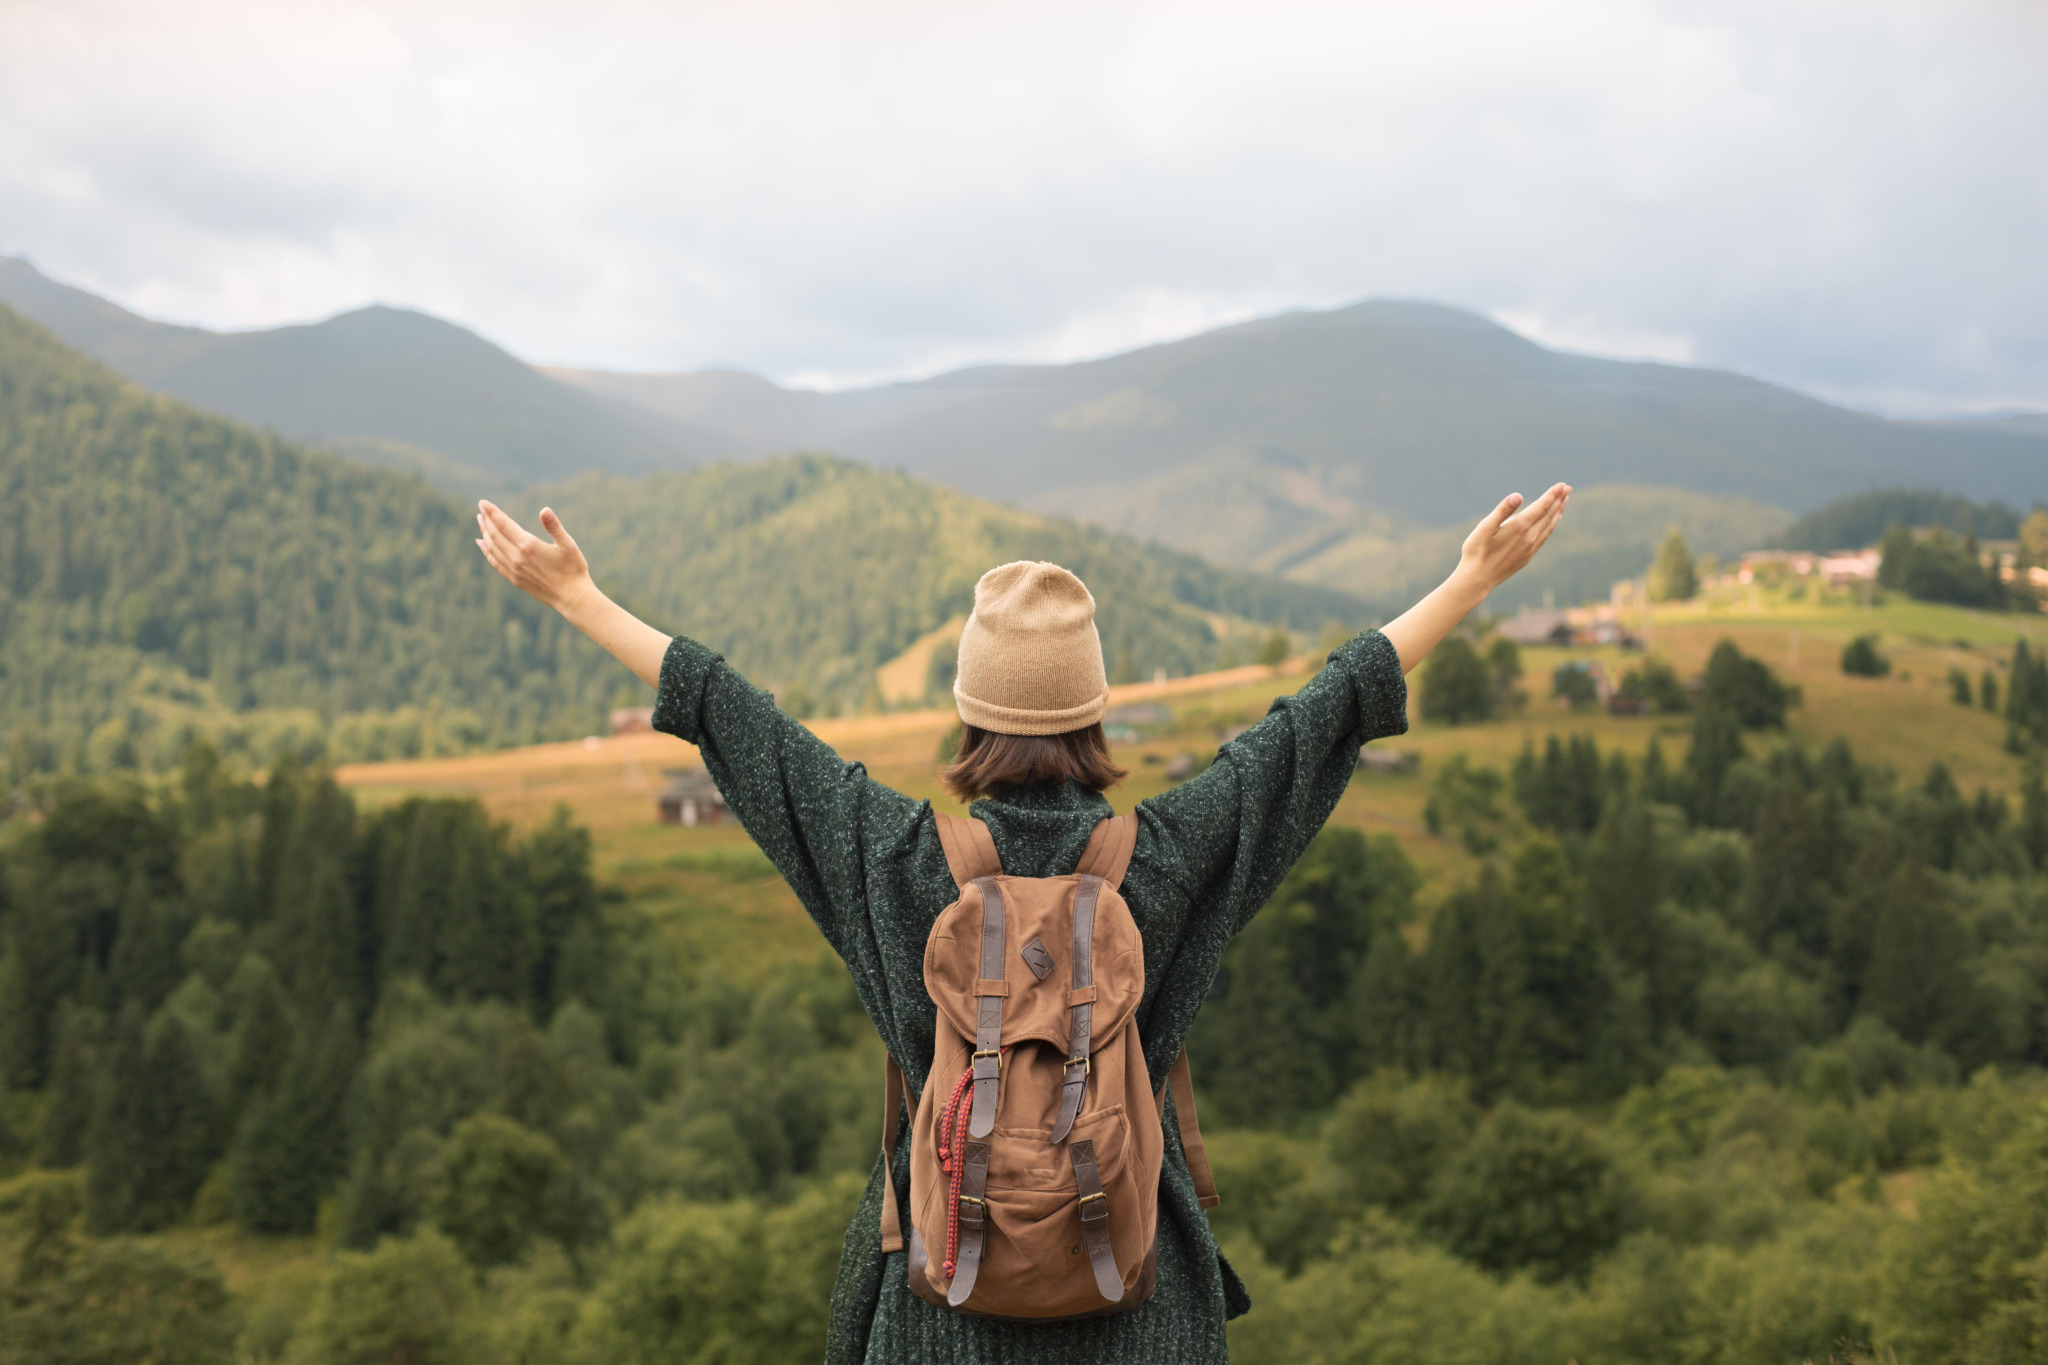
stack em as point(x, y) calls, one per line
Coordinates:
point(690, 798)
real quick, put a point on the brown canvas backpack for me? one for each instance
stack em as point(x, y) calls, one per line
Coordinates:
point(1036, 1147)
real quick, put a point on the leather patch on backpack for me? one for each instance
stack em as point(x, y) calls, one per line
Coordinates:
point(1037, 958)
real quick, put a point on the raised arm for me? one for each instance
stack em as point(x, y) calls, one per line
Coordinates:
point(813, 814)
point(557, 575)
point(1496, 550)
point(1243, 822)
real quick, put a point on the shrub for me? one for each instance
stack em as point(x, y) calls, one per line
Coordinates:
point(1573, 684)
point(1655, 684)
point(412, 1299)
point(1391, 1135)
point(1747, 687)
point(1457, 686)
point(1861, 660)
point(1533, 1191)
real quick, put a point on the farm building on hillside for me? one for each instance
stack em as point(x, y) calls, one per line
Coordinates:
point(1528, 627)
point(1578, 626)
point(690, 798)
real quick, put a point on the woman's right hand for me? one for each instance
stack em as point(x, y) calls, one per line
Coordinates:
point(556, 574)
point(1509, 537)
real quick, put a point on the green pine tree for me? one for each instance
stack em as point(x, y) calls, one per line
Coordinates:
point(73, 1092)
point(292, 1142)
point(1918, 979)
point(1625, 883)
point(2034, 812)
point(261, 1045)
point(1673, 577)
point(1896, 553)
point(153, 1134)
point(17, 1018)
point(1716, 747)
point(143, 967)
point(557, 869)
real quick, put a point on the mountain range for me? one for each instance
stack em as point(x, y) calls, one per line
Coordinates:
point(168, 573)
point(386, 385)
point(1347, 448)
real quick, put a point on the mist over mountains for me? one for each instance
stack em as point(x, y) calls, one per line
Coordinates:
point(1347, 448)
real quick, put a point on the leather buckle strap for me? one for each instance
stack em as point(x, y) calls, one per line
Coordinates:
point(1094, 1211)
point(988, 1023)
point(973, 1224)
point(1074, 1086)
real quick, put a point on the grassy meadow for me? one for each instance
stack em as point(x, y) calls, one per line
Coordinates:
point(720, 898)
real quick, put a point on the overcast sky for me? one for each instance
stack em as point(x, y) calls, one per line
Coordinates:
point(1848, 197)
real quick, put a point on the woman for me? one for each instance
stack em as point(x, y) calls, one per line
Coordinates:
point(867, 863)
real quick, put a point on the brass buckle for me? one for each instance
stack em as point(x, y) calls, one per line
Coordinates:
point(996, 1053)
point(1082, 1062)
point(978, 1203)
point(1100, 1214)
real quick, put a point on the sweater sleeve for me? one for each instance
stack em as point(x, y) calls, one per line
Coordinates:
point(813, 814)
point(1236, 829)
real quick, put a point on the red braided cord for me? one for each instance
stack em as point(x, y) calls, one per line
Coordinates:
point(953, 1160)
point(951, 1163)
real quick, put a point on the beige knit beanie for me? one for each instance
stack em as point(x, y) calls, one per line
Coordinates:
point(1030, 660)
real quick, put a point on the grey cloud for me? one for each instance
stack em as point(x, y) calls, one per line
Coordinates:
point(1845, 197)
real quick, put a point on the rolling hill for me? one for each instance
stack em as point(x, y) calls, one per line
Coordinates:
point(384, 384)
point(166, 573)
point(1347, 449)
point(1243, 440)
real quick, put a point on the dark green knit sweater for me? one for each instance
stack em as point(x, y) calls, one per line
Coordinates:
point(866, 862)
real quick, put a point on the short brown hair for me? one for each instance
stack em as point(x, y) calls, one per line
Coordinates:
point(990, 764)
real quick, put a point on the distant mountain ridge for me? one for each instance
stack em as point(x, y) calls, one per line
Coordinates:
point(1343, 447)
point(394, 386)
point(166, 573)
point(1417, 409)
point(1347, 448)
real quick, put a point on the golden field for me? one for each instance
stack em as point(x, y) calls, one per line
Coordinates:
point(723, 900)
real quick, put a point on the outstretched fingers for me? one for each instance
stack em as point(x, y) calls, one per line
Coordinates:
point(1500, 514)
point(509, 532)
point(492, 558)
point(559, 533)
point(1551, 507)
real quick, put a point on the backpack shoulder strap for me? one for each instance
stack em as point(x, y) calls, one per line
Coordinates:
point(1109, 850)
point(894, 1093)
point(1182, 1081)
point(970, 853)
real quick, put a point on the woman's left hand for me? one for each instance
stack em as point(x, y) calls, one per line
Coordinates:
point(555, 574)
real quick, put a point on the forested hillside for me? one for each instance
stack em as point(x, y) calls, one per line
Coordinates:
point(238, 1008)
point(1862, 518)
point(1679, 1073)
point(1349, 449)
point(165, 574)
point(815, 571)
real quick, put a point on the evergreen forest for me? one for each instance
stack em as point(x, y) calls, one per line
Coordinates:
point(1730, 1054)
point(167, 575)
